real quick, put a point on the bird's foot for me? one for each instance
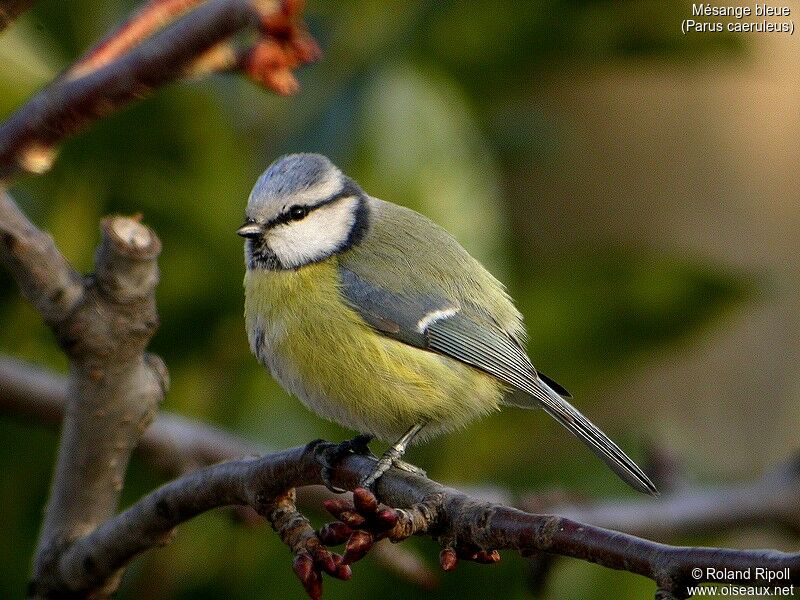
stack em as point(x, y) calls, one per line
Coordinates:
point(328, 455)
point(391, 458)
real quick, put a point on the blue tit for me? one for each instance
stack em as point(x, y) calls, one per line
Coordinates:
point(377, 319)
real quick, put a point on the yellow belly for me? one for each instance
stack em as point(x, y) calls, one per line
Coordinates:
point(322, 351)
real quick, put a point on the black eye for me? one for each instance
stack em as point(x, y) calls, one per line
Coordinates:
point(297, 212)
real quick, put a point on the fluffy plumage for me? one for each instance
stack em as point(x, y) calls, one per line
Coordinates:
point(376, 318)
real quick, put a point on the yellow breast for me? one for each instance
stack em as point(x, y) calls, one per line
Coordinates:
point(319, 349)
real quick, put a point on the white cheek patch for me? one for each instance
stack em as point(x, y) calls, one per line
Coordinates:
point(315, 237)
point(433, 316)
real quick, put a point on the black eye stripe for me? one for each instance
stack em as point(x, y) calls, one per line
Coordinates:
point(349, 190)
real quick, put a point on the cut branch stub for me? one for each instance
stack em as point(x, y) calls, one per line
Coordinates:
point(114, 391)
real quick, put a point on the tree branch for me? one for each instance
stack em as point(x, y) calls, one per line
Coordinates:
point(99, 85)
point(174, 445)
point(450, 516)
point(103, 324)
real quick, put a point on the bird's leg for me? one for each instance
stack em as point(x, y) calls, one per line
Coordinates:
point(330, 454)
point(393, 456)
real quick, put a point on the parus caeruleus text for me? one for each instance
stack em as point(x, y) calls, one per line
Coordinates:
point(376, 318)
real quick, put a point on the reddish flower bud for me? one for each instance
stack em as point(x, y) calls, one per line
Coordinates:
point(353, 519)
point(357, 546)
point(336, 506)
point(448, 559)
point(364, 501)
point(324, 560)
point(344, 572)
point(334, 534)
point(312, 581)
point(386, 519)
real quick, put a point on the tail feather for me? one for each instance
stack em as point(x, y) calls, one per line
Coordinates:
point(586, 431)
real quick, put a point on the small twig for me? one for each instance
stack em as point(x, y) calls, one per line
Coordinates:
point(311, 557)
point(44, 276)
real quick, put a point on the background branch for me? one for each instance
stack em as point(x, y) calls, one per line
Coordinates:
point(773, 499)
point(99, 85)
point(172, 444)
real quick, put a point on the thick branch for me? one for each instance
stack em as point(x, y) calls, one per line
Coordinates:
point(103, 323)
point(453, 517)
point(113, 392)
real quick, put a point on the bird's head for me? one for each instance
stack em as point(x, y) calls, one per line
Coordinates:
point(302, 210)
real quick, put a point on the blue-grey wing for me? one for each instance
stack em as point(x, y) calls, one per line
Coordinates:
point(440, 325)
point(463, 333)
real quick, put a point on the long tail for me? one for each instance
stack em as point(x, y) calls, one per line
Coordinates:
point(586, 431)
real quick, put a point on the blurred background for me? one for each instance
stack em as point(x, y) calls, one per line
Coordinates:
point(636, 189)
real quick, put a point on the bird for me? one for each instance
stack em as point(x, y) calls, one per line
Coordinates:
point(376, 318)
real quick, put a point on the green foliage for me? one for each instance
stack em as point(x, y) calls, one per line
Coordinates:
point(405, 100)
point(593, 314)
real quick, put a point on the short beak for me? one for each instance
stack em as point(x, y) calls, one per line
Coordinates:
point(249, 230)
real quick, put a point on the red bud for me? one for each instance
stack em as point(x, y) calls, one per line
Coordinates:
point(364, 501)
point(336, 506)
point(324, 560)
point(334, 534)
point(344, 572)
point(312, 581)
point(353, 519)
point(386, 519)
point(357, 546)
point(448, 559)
